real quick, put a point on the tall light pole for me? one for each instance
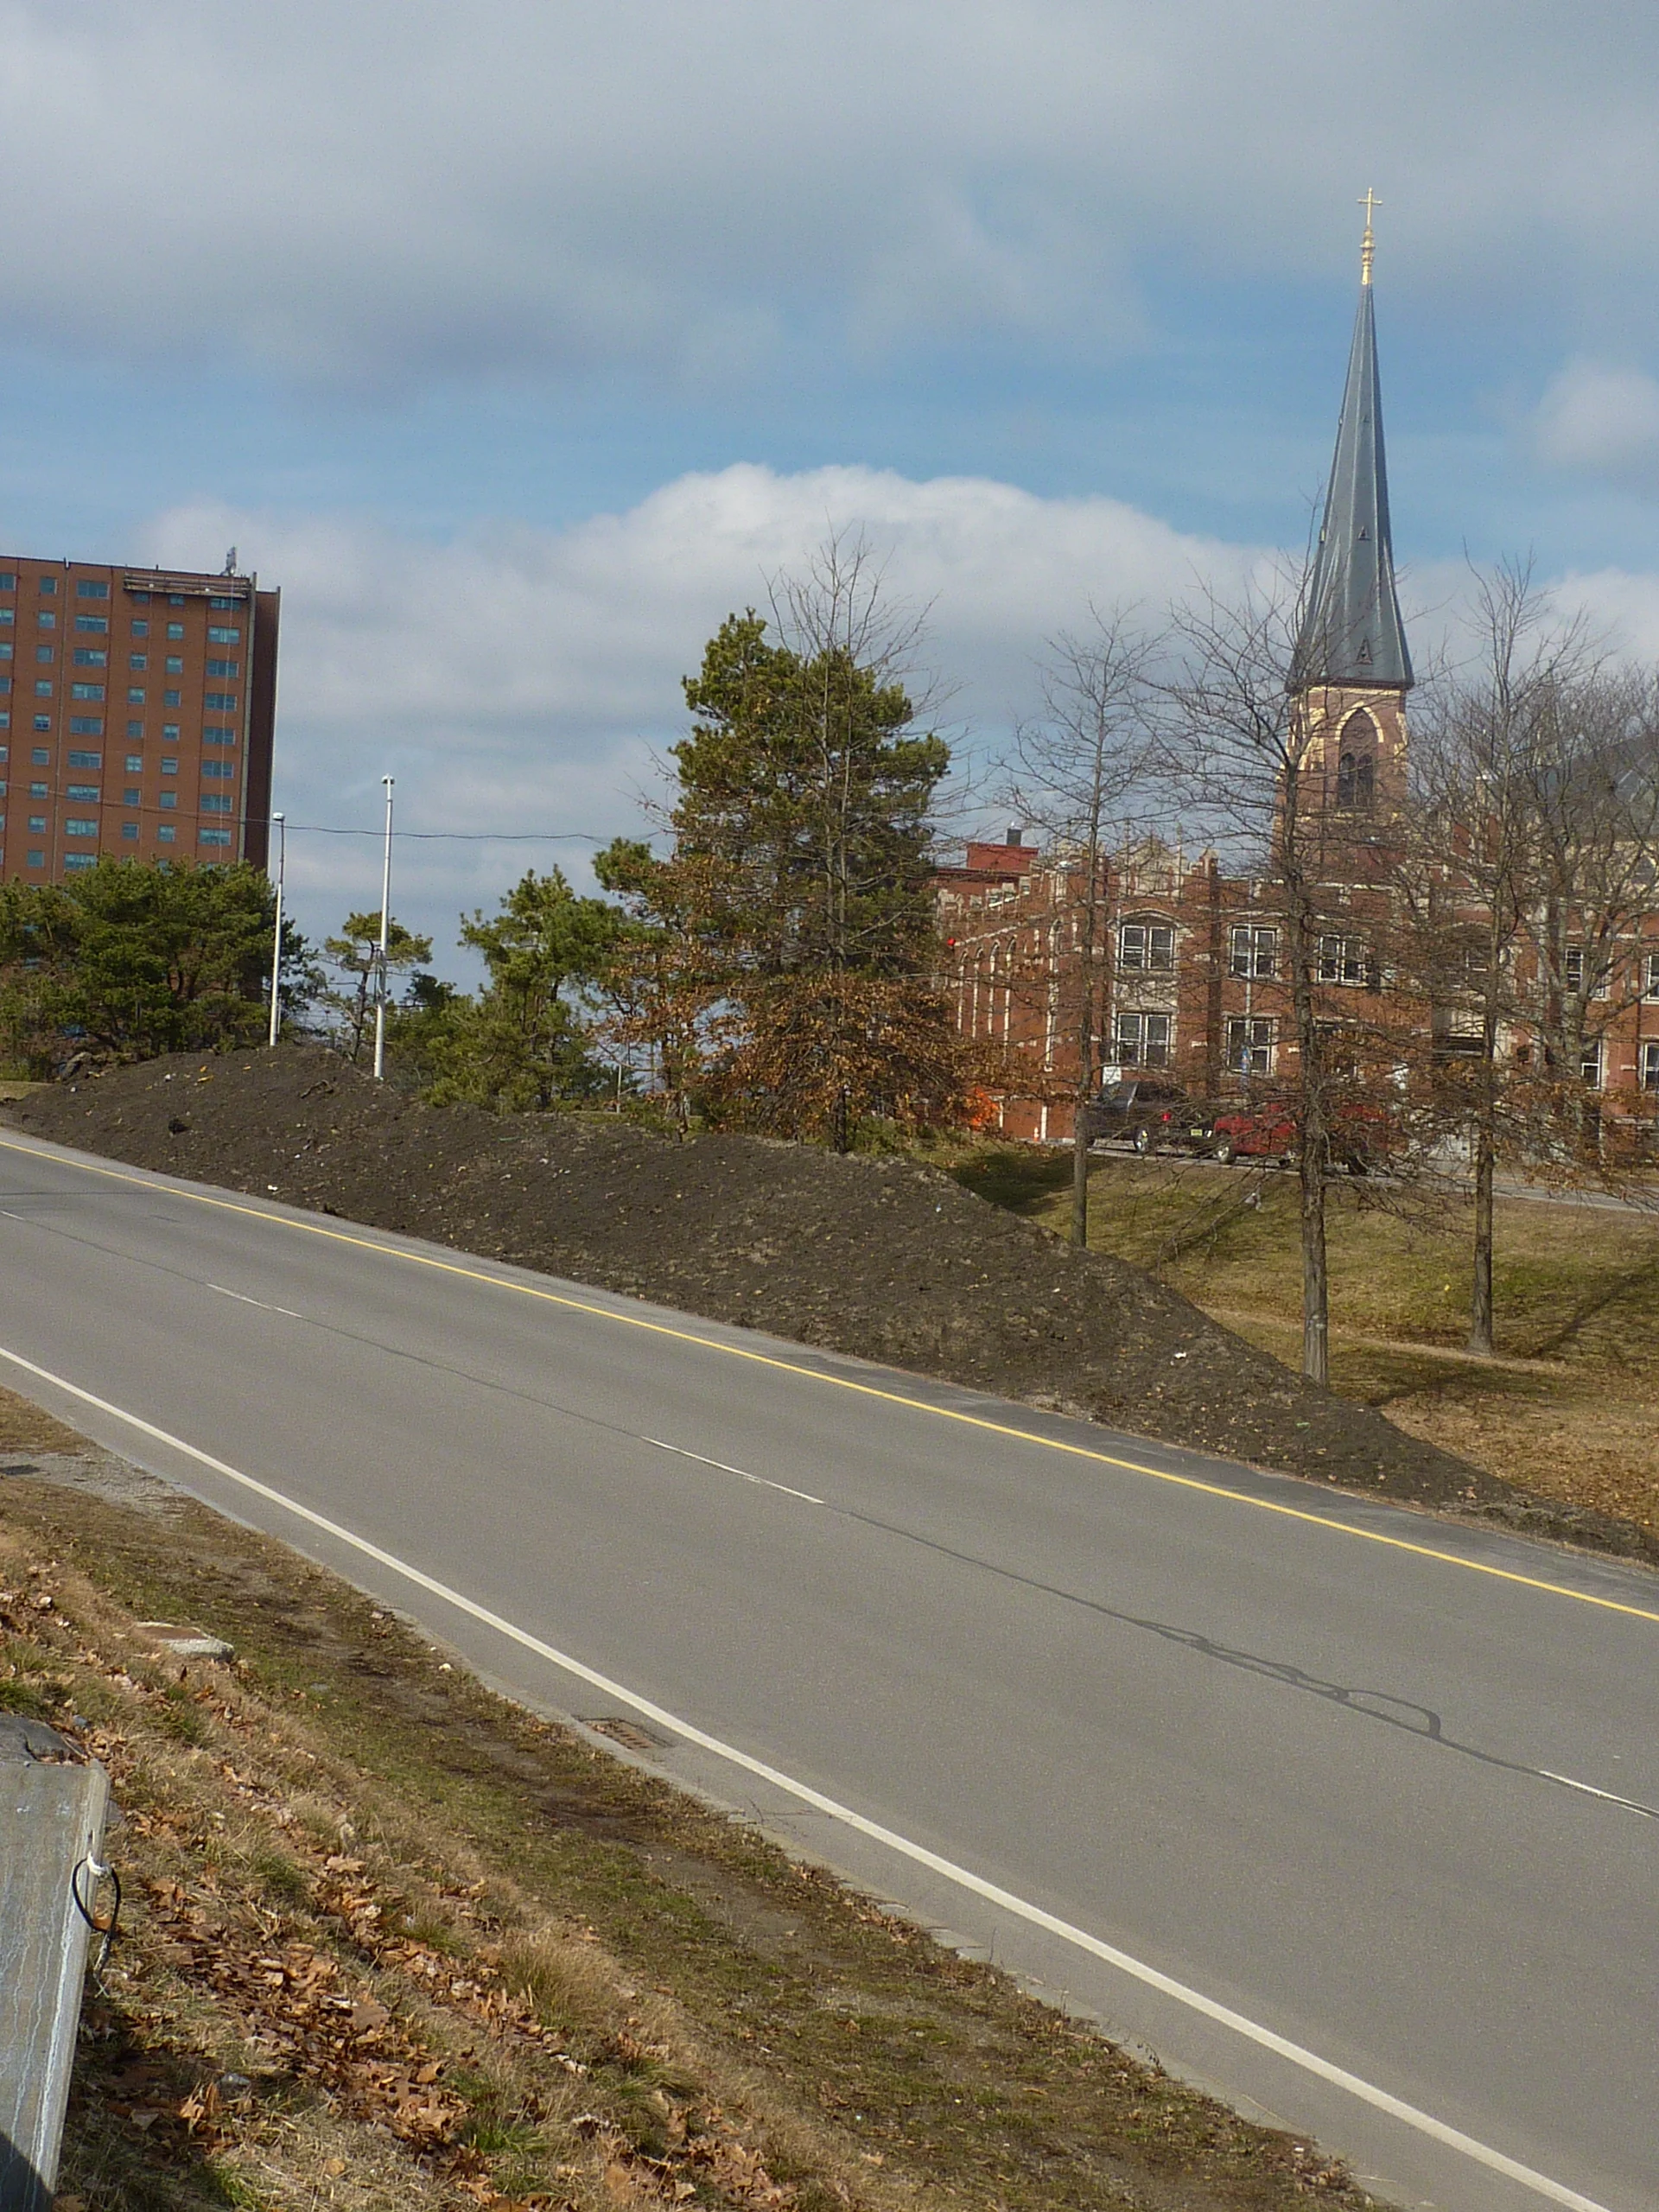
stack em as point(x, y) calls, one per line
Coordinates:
point(281, 820)
point(386, 918)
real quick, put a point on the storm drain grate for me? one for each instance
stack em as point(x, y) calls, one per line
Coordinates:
point(629, 1733)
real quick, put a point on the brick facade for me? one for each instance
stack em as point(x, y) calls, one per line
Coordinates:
point(138, 716)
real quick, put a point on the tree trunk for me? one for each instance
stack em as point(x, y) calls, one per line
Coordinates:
point(1480, 1300)
point(1080, 1138)
point(1315, 1283)
point(1480, 1294)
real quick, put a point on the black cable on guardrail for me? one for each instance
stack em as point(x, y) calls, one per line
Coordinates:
point(98, 1873)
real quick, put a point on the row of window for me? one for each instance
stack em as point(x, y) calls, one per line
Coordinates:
point(35, 856)
point(97, 587)
point(1147, 1040)
point(1252, 951)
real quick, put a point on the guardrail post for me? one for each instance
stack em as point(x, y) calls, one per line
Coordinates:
point(53, 1803)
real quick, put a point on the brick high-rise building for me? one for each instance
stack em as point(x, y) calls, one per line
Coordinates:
point(137, 711)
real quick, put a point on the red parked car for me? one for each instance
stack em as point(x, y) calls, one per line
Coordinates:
point(1267, 1130)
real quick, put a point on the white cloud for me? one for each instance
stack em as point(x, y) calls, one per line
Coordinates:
point(1601, 421)
point(515, 679)
point(421, 192)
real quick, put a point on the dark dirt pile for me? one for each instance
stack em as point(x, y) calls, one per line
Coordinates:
point(878, 1258)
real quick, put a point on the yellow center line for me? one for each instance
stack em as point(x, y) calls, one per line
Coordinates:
point(847, 1383)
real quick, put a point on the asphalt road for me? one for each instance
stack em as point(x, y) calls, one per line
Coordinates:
point(1298, 1789)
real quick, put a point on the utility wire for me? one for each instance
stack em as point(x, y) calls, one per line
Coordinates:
point(458, 836)
point(58, 798)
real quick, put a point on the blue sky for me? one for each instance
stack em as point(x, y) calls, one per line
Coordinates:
point(518, 343)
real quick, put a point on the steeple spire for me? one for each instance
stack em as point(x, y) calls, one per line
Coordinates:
point(1352, 633)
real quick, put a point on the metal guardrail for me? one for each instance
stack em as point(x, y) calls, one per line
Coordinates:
point(54, 1800)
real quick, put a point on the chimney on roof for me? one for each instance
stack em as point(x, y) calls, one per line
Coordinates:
point(1015, 835)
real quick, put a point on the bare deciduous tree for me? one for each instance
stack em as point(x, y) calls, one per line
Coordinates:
point(1241, 740)
point(1075, 775)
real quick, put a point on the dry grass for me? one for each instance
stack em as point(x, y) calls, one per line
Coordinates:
point(1570, 1409)
point(24, 1427)
point(390, 1941)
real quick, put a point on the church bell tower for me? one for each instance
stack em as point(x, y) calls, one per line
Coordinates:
point(1352, 668)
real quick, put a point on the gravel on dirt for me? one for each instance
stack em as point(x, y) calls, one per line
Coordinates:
point(877, 1256)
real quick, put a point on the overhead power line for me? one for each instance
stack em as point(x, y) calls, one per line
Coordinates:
point(460, 836)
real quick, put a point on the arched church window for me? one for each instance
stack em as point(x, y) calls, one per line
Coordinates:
point(1357, 763)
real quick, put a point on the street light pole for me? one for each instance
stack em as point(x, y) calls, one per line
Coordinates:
point(385, 916)
point(281, 820)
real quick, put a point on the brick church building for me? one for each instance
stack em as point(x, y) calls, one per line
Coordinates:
point(1195, 973)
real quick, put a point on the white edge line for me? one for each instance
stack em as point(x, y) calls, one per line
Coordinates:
point(760, 1481)
point(1437, 2131)
point(1608, 1797)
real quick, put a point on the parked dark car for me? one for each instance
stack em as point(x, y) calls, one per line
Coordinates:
point(1150, 1113)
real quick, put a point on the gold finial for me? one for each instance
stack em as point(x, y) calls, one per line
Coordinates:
point(1368, 244)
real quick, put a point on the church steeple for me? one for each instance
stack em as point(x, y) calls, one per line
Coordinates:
point(1351, 633)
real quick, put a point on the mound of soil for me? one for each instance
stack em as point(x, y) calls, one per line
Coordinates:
point(878, 1257)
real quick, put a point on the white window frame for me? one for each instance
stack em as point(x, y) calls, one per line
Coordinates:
point(1253, 949)
point(1649, 1068)
point(1140, 943)
point(1250, 1042)
point(1144, 1040)
point(1345, 960)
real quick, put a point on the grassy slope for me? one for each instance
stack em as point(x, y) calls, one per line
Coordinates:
point(1569, 1409)
point(390, 1941)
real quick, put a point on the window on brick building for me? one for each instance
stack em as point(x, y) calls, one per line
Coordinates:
point(1143, 1040)
point(88, 588)
point(1590, 1061)
point(1254, 950)
point(1357, 763)
point(1347, 960)
point(1146, 946)
point(1250, 1044)
point(92, 625)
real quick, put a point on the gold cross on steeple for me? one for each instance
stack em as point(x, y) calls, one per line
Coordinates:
point(1368, 244)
